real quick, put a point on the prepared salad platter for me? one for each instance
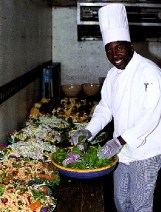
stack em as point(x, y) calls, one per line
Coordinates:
point(81, 161)
point(26, 170)
point(77, 109)
point(25, 185)
point(35, 150)
point(14, 198)
point(46, 128)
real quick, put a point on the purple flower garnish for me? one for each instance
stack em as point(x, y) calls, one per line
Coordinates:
point(71, 159)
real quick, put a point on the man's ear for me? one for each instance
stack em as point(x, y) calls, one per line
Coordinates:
point(132, 48)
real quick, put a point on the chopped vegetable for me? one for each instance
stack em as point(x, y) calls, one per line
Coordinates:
point(48, 177)
point(46, 190)
point(2, 188)
point(35, 205)
point(46, 209)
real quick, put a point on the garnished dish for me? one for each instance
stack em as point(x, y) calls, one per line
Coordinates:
point(81, 161)
point(35, 150)
point(25, 185)
point(28, 171)
point(46, 128)
point(78, 110)
point(25, 198)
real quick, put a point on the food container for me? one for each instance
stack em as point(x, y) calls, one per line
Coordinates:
point(86, 174)
point(86, 158)
point(71, 90)
point(91, 89)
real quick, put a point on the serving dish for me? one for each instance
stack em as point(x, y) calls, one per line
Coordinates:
point(71, 90)
point(91, 89)
point(77, 165)
point(86, 174)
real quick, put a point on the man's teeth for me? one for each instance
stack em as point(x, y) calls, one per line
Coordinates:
point(118, 61)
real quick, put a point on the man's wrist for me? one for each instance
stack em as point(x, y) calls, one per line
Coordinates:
point(121, 140)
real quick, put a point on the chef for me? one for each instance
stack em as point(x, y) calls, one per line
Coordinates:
point(131, 96)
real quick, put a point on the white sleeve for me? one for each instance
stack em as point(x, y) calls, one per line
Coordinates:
point(102, 113)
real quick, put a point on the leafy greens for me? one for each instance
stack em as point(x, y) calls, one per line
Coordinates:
point(88, 157)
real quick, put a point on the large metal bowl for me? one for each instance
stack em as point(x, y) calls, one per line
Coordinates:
point(86, 173)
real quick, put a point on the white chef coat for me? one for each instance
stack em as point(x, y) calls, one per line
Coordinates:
point(132, 97)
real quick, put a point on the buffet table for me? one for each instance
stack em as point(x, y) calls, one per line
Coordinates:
point(85, 195)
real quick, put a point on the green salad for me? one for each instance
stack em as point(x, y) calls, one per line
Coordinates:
point(81, 156)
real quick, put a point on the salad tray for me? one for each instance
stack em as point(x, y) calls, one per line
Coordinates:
point(84, 173)
point(96, 167)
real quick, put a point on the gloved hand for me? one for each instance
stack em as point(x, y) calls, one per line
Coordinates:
point(111, 148)
point(77, 136)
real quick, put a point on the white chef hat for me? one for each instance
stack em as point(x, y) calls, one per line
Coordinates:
point(114, 23)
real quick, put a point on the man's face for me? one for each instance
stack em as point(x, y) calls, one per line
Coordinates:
point(119, 53)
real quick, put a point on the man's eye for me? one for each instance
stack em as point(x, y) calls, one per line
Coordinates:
point(119, 48)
